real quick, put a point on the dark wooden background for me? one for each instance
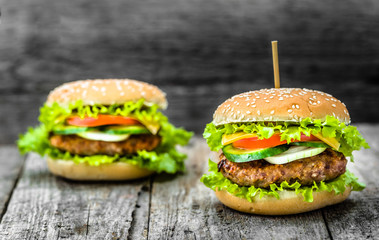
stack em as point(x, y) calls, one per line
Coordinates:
point(199, 52)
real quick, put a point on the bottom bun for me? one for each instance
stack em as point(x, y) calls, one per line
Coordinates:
point(82, 171)
point(289, 202)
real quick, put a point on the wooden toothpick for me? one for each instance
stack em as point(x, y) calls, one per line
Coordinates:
point(275, 61)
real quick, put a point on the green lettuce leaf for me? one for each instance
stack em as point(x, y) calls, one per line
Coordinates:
point(348, 136)
point(164, 158)
point(215, 179)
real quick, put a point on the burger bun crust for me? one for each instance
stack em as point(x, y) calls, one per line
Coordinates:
point(105, 172)
point(107, 92)
point(289, 202)
point(280, 104)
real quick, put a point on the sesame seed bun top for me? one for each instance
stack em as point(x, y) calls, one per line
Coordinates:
point(107, 92)
point(280, 104)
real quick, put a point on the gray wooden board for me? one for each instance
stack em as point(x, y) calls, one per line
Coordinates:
point(176, 207)
point(358, 216)
point(46, 207)
point(183, 208)
point(199, 52)
point(10, 166)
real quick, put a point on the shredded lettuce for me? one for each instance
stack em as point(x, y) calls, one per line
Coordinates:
point(215, 179)
point(165, 158)
point(348, 136)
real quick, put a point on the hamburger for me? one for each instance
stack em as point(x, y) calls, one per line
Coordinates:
point(106, 130)
point(282, 151)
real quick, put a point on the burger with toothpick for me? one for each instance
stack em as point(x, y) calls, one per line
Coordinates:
point(282, 151)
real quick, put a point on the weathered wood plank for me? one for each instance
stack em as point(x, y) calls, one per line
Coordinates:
point(179, 207)
point(11, 163)
point(183, 208)
point(358, 216)
point(201, 53)
point(45, 207)
point(140, 224)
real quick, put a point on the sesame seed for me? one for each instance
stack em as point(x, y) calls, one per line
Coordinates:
point(333, 105)
point(247, 104)
point(293, 106)
point(248, 112)
point(289, 110)
point(272, 112)
point(253, 106)
point(267, 101)
point(280, 99)
point(259, 112)
point(297, 106)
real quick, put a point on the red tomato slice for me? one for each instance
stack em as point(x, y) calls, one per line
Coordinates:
point(255, 143)
point(101, 120)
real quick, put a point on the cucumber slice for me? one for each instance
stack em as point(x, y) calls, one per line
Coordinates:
point(245, 155)
point(314, 144)
point(125, 130)
point(100, 136)
point(67, 130)
point(294, 153)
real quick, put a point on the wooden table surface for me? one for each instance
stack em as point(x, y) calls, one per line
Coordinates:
point(36, 205)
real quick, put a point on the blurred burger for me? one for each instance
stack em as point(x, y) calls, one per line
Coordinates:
point(282, 151)
point(106, 130)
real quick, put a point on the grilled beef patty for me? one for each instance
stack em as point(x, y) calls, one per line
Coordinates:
point(77, 145)
point(260, 173)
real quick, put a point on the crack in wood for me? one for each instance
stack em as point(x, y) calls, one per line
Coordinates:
point(149, 210)
point(140, 214)
point(326, 224)
point(12, 190)
point(88, 215)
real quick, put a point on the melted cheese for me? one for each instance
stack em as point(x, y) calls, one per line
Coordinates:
point(333, 142)
point(229, 138)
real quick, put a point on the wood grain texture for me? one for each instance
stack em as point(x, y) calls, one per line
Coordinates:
point(199, 52)
point(175, 207)
point(357, 217)
point(183, 208)
point(10, 166)
point(45, 207)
